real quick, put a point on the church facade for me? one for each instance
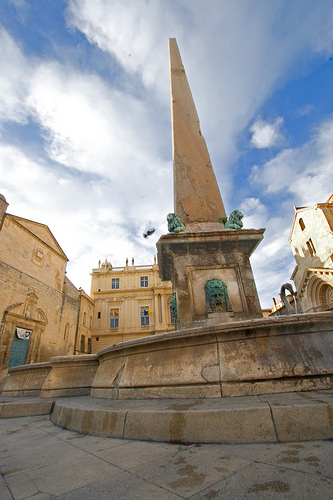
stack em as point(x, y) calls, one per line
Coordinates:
point(311, 240)
point(42, 313)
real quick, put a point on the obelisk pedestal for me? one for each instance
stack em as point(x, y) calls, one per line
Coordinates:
point(208, 264)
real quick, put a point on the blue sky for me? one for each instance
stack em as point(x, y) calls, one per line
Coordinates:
point(85, 127)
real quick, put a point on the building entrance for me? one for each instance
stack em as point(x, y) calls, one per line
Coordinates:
point(18, 352)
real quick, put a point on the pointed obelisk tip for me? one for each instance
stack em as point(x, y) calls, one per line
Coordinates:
point(196, 194)
point(175, 58)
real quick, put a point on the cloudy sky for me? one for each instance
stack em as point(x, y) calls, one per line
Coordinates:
point(85, 120)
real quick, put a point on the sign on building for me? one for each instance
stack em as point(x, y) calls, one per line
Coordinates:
point(22, 333)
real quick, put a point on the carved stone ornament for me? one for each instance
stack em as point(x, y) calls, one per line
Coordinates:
point(217, 299)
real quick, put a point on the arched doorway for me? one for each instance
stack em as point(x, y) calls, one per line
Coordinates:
point(320, 293)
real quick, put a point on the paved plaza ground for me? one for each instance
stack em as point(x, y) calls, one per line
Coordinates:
point(41, 461)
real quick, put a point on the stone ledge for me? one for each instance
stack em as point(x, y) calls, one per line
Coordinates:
point(24, 407)
point(249, 419)
point(26, 380)
point(267, 418)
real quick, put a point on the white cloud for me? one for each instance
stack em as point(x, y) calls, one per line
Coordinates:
point(86, 215)
point(105, 172)
point(305, 172)
point(304, 176)
point(255, 213)
point(266, 134)
point(109, 181)
point(135, 32)
point(224, 49)
point(14, 80)
point(87, 125)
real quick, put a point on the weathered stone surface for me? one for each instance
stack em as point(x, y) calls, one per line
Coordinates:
point(151, 367)
point(277, 349)
point(25, 407)
point(191, 259)
point(196, 194)
point(269, 418)
point(258, 356)
point(71, 415)
point(122, 469)
point(302, 420)
point(267, 355)
point(234, 424)
point(70, 376)
point(285, 385)
point(26, 380)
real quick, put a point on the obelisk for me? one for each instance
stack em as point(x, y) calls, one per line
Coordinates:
point(197, 196)
point(208, 264)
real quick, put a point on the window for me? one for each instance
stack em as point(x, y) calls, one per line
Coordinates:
point(89, 346)
point(82, 343)
point(172, 316)
point(311, 247)
point(145, 311)
point(99, 315)
point(114, 318)
point(144, 281)
point(90, 322)
point(115, 283)
point(84, 318)
point(301, 223)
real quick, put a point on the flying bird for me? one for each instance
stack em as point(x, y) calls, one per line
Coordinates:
point(149, 232)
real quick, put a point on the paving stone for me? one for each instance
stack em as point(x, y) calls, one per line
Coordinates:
point(21, 486)
point(70, 473)
point(41, 461)
point(36, 454)
point(4, 491)
point(191, 470)
point(258, 481)
point(94, 444)
point(123, 486)
point(137, 453)
point(309, 457)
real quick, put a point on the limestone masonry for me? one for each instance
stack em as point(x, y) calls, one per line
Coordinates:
point(196, 194)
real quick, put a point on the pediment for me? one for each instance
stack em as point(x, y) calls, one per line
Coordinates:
point(42, 232)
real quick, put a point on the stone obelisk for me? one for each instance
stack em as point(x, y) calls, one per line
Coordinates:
point(208, 264)
point(197, 197)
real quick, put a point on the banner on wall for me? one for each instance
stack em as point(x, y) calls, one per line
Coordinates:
point(22, 333)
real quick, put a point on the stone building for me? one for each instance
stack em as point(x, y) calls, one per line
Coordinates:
point(42, 313)
point(311, 240)
point(130, 302)
point(279, 308)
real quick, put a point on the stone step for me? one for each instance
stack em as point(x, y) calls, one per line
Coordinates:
point(284, 417)
point(267, 418)
point(24, 407)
